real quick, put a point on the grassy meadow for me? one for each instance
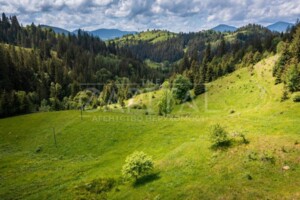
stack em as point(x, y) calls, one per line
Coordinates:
point(152, 36)
point(245, 102)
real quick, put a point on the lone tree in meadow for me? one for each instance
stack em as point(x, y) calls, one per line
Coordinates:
point(166, 103)
point(137, 165)
point(181, 87)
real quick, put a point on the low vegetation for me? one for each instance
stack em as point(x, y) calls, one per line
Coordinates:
point(219, 136)
point(296, 97)
point(137, 165)
point(166, 103)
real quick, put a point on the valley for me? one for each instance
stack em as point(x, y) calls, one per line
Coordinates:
point(185, 165)
point(151, 114)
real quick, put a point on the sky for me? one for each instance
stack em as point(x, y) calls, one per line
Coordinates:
point(139, 15)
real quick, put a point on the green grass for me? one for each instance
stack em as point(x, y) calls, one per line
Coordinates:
point(152, 36)
point(153, 65)
point(186, 166)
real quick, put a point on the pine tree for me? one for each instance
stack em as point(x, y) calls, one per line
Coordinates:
point(293, 78)
point(295, 46)
point(199, 88)
point(222, 47)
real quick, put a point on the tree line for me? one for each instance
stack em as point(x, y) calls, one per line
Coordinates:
point(42, 70)
point(287, 68)
point(39, 68)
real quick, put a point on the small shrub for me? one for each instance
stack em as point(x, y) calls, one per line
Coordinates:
point(285, 95)
point(219, 136)
point(253, 156)
point(137, 165)
point(144, 106)
point(296, 97)
point(44, 106)
point(249, 177)
point(97, 189)
point(244, 139)
point(268, 157)
point(100, 185)
point(38, 149)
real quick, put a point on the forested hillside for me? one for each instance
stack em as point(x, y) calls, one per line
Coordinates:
point(150, 115)
point(207, 55)
point(42, 70)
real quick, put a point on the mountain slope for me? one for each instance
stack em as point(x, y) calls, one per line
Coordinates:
point(56, 29)
point(224, 28)
point(185, 165)
point(106, 34)
point(279, 26)
point(152, 36)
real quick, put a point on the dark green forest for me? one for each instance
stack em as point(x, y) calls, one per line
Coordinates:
point(41, 70)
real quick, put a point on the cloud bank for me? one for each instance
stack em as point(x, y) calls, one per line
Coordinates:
point(174, 15)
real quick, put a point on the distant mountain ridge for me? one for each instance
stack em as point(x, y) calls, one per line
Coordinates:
point(56, 29)
point(107, 34)
point(224, 28)
point(280, 26)
point(104, 34)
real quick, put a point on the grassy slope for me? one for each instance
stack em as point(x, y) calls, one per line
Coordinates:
point(150, 36)
point(188, 169)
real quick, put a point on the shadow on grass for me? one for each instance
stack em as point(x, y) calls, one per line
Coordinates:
point(222, 145)
point(146, 179)
point(230, 143)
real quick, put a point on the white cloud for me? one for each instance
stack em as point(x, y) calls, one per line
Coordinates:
point(175, 15)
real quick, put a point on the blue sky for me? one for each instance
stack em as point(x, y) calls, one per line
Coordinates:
point(173, 15)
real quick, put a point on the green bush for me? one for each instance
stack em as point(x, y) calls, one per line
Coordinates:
point(219, 136)
point(296, 97)
point(181, 87)
point(166, 103)
point(293, 78)
point(285, 95)
point(137, 165)
point(100, 185)
point(44, 106)
point(96, 189)
point(244, 139)
point(268, 157)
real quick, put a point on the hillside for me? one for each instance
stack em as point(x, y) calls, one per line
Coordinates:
point(224, 28)
point(104, 34)
point(32, 167)
point(152, 36)
point(107, 34)
point(280, 26)
point(56, 29)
